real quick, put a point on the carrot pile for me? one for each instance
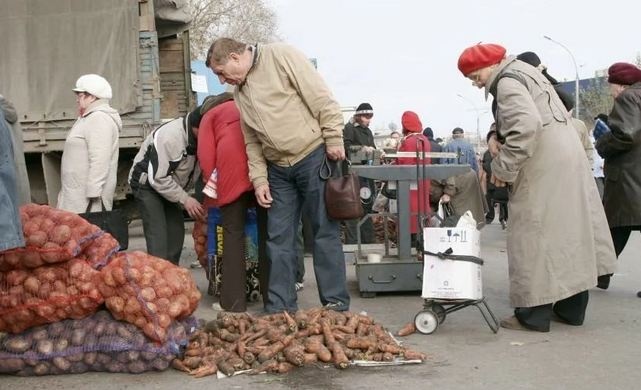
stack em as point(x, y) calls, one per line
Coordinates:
point(279, 342)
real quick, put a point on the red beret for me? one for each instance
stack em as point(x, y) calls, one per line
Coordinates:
point(480, 56)
point(411, 123)
point(623, 73)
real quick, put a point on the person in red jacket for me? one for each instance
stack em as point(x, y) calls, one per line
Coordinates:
point(413, 140)
point(221, 146)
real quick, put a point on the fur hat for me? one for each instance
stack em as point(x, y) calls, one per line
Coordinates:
point(623, 73)
point(480, 56)
point(411, 123)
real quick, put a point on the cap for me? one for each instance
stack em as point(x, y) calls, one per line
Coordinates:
point(95, 85)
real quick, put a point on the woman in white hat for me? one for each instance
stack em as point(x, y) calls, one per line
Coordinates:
point(90, 155)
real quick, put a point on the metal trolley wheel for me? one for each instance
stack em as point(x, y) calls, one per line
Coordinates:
point(426, 321)
point(440, 312)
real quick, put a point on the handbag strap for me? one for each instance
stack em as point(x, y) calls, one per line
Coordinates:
point(102, 204)
point(341, 169)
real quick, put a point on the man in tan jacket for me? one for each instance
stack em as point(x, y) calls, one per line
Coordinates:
point(291, 123)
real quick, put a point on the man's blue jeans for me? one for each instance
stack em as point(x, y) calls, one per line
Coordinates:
point(296, 189)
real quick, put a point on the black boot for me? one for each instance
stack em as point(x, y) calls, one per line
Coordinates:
point(603, 281)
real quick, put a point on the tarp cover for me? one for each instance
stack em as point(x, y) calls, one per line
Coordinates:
point(48, 44)
point(172, 16)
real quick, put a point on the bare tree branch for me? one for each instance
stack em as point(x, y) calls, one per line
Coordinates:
point(250, 21)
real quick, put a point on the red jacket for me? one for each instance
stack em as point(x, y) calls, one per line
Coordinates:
point(409, 144)
point(221, 146)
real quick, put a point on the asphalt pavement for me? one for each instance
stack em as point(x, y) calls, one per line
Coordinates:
point(463, 353)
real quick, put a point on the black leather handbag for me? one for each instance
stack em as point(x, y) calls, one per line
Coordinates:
point(342, 191)
point(112, 222)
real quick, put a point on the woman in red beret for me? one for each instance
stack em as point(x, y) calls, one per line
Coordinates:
point(556, 230)
point(621, 150)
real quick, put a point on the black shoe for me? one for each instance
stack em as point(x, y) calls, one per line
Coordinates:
point(603, 281)
point(639, 294)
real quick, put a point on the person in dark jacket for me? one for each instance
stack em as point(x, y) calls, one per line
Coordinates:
point(493, 193)
point(435, 147)
point(162, 171)
point(621, 150)
point(359, 138)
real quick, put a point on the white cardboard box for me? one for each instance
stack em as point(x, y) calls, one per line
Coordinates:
point(452, 279)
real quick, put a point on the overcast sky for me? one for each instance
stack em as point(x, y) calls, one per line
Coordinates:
point(401, 54)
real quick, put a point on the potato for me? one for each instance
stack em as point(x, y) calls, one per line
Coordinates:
point(16, 344)
point(60, 234)
point(78, 368)
point(41, 369)
point(37, 239)
point(45, 347)
point(78, 337)
point(11, 365)
point(61, 363)
point(136, 367)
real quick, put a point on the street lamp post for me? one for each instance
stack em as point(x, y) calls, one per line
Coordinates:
point(478, 118)
point(576, 70)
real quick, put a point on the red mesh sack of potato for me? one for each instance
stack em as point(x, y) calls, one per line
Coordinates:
point(148, 292)
point(100, 251)
point(47, 294)
point(51, 236)
point(199, 234)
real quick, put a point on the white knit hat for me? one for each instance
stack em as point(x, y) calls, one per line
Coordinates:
point(95, 85)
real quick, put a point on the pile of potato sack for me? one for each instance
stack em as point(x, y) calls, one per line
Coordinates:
point(70, 302)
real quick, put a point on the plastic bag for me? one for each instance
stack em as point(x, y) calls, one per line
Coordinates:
point(95, 343)
point(148, 292)
point(51, 236)
point(199, 234)
point(466, 221)
point(47, 294)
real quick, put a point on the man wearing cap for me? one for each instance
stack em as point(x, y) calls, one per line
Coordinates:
point(90, 154)
point(162, 170)
point(621, 149)
point(359, 138)
point(557, 241)
point(291, 124)
point(463, 149)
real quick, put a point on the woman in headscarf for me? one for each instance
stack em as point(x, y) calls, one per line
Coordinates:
point(556, 220)
point(621, 149)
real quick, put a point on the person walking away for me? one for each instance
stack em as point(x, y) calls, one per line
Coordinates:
point(90, 155)
point(22, 178)
point(621, 150)
point(291, 124)
point(358, 138)
point(221, 147)
point(556, 242)
point(10, 225)
point(463, 149)
point(162, 171)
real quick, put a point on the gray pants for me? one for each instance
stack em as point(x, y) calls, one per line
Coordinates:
point(162, 222)
point(291, 188)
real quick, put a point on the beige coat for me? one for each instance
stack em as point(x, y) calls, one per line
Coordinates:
point(90, 159)
point(286, 109)
point(558, 238)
